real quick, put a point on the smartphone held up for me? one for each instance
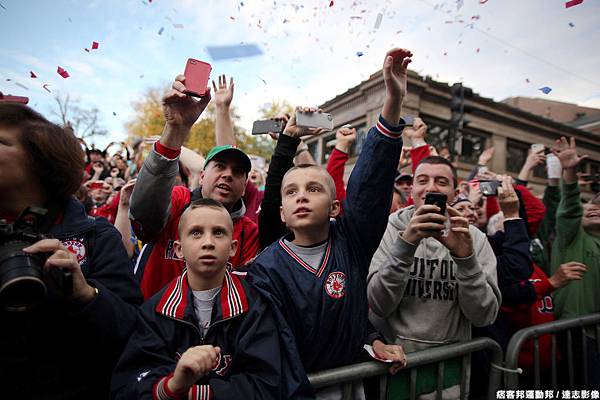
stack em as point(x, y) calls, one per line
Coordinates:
point(267, 126)
point(196, 75)
point(314, 120)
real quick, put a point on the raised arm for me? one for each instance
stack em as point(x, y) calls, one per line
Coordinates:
point(223, 123)
point(270, 226)
point(336, 164)
point(151, 198)
point(570, 211)
point(369, 192)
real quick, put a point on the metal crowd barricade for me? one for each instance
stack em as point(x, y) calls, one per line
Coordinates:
point(346, 375)
point(520, 337)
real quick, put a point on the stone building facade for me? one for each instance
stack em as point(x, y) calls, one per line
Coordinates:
point(510, 130)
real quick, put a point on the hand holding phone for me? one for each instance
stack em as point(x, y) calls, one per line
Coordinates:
point(196, 75)
point(489, 188)
point(437, 199)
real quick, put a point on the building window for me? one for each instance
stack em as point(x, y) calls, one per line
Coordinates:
point(516, 155)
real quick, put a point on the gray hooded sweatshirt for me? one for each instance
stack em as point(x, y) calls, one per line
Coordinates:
point(421, 296)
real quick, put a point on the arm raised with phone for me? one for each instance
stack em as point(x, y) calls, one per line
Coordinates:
point(151, 198)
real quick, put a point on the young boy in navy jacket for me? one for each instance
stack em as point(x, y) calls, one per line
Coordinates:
point(207, 334)
point(316, 276)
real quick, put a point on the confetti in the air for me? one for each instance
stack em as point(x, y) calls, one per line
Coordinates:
point(5, 7)
point(21, 85)
point(359, 53)
point(545, 89)
point(526, 80)
point(572, 25)
point(95, 45)
point(483, 1)
point(45, 86)
point(62, 72)
point(573, 3)
point(161, 30)
point(178, 26)
point(331, 3)
point(378, 21)
point(32, 74)
point(114, 113)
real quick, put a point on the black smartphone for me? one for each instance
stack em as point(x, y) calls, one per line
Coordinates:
point(267, 125)
point(489, 188)
point(438, 199)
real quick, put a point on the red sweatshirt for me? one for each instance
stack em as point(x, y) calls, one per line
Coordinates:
point(335, 167)
point(536, 313)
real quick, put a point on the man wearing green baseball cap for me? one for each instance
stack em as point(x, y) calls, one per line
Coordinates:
point(156, 203)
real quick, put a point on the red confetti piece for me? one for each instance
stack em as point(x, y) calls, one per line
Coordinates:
point(483, 1)
point(32, 75)
point(331, 3)
point(95, 45)
point(45, 86)
point(573, 3)
point(63, 72)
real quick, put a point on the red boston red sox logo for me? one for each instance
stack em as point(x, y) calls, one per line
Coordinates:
point(335, 285)
point(75, 247)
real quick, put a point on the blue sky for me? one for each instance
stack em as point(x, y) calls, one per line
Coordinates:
point(309, 48)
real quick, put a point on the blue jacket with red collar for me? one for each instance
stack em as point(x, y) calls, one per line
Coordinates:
point(322, 313)
point(242, 325)
point(62, 351)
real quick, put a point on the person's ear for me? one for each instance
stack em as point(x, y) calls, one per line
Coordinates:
point(201, 177)
point(233, 248)
point(178, 249)
point(334, 209)
point(281, 215)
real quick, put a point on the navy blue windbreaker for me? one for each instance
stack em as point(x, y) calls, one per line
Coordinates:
point(322, 313)
point(242, 325)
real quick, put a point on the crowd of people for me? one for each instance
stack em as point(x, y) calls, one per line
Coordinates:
point(167, 274)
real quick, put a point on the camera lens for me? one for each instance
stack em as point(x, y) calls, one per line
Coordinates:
point(21, 284)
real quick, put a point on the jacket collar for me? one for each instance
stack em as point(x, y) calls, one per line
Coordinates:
point(74, 219)
point(177, 298)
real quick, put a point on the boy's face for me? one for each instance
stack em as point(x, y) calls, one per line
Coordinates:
point(306, 201)
point(205, 241)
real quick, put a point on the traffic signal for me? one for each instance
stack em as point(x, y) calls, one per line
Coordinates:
point(457, 117)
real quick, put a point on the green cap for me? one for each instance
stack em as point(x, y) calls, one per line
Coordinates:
point(229, 151)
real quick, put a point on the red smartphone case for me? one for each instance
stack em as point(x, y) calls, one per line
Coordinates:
point(196, 74)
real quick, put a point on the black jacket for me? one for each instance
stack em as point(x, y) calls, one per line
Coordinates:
point(242, 325)
point(59, 351)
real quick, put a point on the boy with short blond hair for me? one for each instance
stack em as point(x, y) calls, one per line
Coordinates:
point(316, 276)
point(207, 334)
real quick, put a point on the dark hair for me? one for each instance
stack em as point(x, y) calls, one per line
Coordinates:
point(440, 161)
point(55, 155)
